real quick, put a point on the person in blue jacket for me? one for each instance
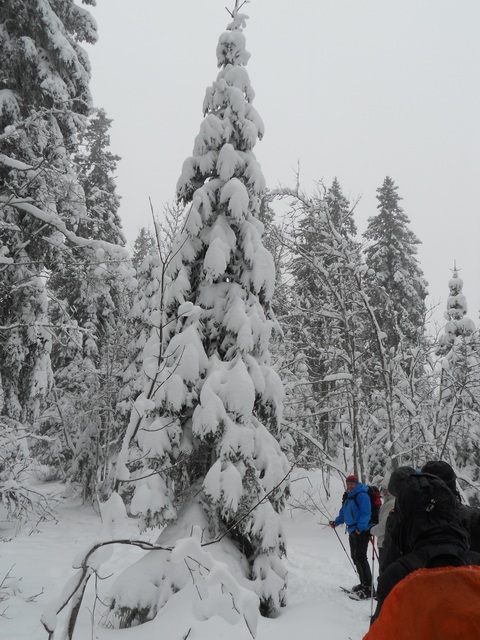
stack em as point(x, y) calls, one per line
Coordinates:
point(355, 513)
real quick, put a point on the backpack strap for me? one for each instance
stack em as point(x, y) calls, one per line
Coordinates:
point(369, 497)
point(355, 496)
point(445, 560)
point(411, 561)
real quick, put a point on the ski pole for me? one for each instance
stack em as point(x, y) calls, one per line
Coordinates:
point(372, 540)
point(346, 552)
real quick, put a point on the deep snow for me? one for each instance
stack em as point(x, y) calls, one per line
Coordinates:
point(40, 563)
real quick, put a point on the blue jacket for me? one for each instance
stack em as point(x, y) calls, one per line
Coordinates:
point(356, 510)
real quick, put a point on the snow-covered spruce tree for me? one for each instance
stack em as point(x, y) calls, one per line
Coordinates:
point(93, 291)
point(206, 419)
point(44, 106)
point(96, 168)
point(397, 290)
point(44, 99)
point(341, 212)
point(458, 324)
point(143, 246)
point(396, 284)
point(457, 426)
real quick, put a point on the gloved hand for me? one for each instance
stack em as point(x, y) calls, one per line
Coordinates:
point(332, 524)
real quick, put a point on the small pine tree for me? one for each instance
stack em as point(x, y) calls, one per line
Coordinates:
point(144, 245)
point(458, 323)
point(145, 304)
point(151, 255)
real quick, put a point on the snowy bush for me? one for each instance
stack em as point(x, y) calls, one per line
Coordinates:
point(22, 502)
point(202, 580)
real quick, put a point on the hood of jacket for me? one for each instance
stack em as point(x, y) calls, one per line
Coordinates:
point(359, 487)
point(388, 500)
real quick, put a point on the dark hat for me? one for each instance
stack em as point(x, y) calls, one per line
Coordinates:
point(443, 470)
point(352, 479)
point(397, 477)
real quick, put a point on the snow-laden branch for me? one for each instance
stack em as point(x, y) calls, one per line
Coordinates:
point(327, 460)
point(57, 223)
point(18, 165)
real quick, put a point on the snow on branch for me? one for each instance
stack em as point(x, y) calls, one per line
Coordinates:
point(245, 602)
point(56, 222)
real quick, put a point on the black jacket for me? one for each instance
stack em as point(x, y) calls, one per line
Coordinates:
point(470, 519)
point(445, 545)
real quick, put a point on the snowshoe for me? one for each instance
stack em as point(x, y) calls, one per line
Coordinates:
point(365, 593)
point(353, 595)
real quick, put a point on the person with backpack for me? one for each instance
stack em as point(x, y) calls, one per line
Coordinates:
point(432, 590)
point(379, 530)
point(390, 546)
point(469, 516)
point(356, 513)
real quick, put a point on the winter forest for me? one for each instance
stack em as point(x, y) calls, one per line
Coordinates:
point(176, 395)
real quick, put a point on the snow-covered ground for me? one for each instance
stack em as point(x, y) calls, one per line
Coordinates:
point(40, 563)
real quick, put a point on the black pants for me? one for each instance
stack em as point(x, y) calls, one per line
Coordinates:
point(358, 551)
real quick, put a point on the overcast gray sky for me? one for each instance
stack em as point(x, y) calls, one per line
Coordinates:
point(357, 89)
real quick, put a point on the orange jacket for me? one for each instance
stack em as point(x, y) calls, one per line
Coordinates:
point(432, 604)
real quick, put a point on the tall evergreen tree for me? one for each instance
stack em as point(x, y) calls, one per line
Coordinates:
point(60, 237)
point(329, 325)
point(96, 168)
point(93, 289)
point(397, 291)
point(315, 329)
point(91, 285)
point(396, 284)
point(212, 402)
